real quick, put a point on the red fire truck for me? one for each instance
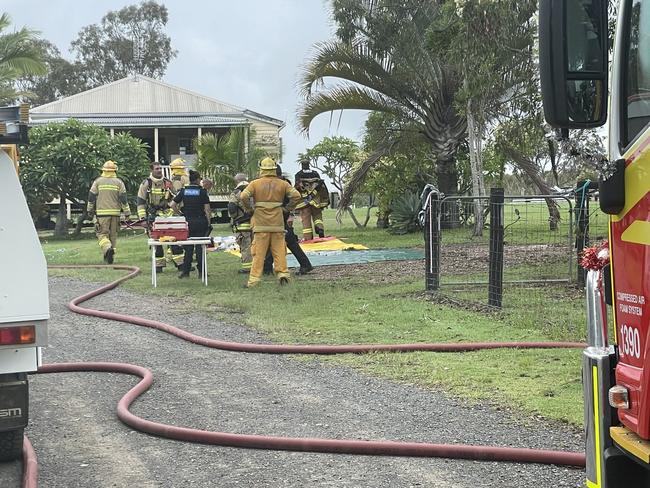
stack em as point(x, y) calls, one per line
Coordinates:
point(576, 72)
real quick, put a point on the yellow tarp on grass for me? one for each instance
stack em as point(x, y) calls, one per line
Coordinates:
point(327, 244)
point(330, 245)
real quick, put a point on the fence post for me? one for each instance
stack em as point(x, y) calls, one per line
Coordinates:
point(495, 286)
point(432, 242)
point(582, 226)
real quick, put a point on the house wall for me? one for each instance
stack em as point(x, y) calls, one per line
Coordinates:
point(267, 137)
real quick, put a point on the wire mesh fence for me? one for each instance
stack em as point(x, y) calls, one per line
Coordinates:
point(537, 245)
point(525, 241)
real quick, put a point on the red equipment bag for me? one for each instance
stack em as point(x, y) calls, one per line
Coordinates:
point(170, 227)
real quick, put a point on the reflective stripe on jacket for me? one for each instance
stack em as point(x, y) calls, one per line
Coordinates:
point(154, 196)
point(107, 197)
point(268, 194)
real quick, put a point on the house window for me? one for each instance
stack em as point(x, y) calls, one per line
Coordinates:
point(185, 146)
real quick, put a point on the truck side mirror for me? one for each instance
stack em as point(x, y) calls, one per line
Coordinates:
point(573, 62)
point(611, 190)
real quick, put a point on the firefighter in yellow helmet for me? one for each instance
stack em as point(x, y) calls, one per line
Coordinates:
point(179, 174)
point(179, 181)
point(315, 198)
point(106, 200)
point(268, 193)
point(154, 197)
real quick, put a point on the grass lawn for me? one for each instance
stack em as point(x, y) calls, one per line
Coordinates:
point(355, 310)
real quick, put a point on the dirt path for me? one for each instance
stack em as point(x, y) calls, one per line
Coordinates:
point(80, 442)
point(454, 259)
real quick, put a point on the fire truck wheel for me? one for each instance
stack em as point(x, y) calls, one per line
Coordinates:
point(11, 445)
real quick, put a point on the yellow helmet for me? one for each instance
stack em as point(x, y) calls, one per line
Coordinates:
point(177, 163)
point(109, 166)
point(267, 164)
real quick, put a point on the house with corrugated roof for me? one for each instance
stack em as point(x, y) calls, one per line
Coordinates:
point(164, 116)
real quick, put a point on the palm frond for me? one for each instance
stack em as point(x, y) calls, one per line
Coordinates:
point(358, 176)
point(404, 212)
point(18, 52)
point(360, 65)
point(345, 96)
point(221, 157)
point(354, 63)
point(5, 21)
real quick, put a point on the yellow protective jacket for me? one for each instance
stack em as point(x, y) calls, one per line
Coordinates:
point(268, 194)
point(179, 181)
point(312, 189)
point(107, 197)
point(154, 196)
point(240, 219)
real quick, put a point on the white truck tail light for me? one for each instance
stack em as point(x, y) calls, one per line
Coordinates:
point(24, 334)
point(619, 397)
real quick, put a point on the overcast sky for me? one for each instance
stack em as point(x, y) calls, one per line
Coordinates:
point(247, 52)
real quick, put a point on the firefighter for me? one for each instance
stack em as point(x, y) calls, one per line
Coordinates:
point(268, 193)
point(196, 209)
point(207, 184)
point(154, 195)
point(106, 199)
point(240, 220)
point(315, 198)
point(179, 180)
point(291, 239)
point(179, 174)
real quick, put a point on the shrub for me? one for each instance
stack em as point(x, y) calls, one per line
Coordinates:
point(404, 214)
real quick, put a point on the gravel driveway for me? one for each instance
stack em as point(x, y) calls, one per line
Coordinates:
point(80, 442)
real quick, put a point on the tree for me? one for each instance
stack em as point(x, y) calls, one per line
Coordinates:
point(335, 157)
point(406, 169)
point(18, 57)
point(63, 159)
point(383, 63)
point(130, 40)
point(221, 157)
point(62, 79)
point(490, 43)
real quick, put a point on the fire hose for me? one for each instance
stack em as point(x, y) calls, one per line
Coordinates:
point(384, 448)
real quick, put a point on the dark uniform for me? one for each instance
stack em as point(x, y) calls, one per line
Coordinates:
point(194, 198)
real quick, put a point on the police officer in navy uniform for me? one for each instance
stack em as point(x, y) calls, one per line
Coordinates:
point(196, 209)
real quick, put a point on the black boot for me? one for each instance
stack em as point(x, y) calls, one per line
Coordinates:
point(110, 254)
point(305, 270)
point(159, 269)
point(320, 232)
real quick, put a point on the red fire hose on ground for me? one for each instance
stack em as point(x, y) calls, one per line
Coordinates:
point(385, 448)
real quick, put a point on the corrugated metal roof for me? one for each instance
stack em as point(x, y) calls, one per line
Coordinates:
point(142, 95)
point(147, 120)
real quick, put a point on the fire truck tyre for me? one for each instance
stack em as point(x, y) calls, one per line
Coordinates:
point(11, 445)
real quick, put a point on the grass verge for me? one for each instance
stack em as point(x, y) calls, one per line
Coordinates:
point(352, 310)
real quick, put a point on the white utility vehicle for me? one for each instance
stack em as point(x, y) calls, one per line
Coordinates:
point(24, 305)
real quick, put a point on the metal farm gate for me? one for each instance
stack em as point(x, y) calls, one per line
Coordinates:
point(525, 239)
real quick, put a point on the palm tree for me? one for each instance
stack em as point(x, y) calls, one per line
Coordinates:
point(391, 70)
point(19, 56)
point(221, 157)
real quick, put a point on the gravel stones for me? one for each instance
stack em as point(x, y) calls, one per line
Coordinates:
point(80, 442)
